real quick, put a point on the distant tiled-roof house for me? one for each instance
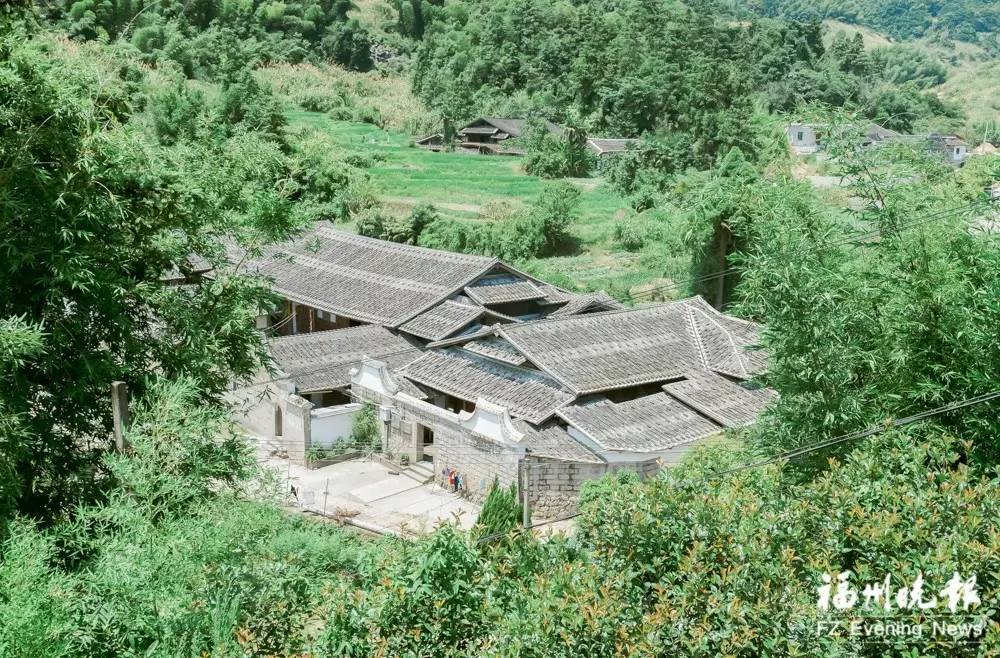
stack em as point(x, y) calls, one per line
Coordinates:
point(554, 402)
point(493, 134)
point(952, 148)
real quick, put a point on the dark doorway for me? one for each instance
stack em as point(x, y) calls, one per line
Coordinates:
point(426, 438)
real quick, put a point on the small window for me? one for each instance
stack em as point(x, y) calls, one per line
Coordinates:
point(799, 136)
point(958, 151)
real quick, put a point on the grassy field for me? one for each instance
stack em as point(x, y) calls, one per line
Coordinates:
point(464, 186)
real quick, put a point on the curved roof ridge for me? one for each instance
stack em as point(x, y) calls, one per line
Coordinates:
point(728, 334)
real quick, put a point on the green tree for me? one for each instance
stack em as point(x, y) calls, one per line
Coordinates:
point(501, 512)
point(562, 155)
point(93, 218)
point(884, 316)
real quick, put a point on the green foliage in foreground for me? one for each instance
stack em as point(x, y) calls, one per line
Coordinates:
point(98, 223)
point(176, 563)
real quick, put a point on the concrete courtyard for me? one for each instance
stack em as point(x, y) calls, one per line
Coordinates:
point(368, 495)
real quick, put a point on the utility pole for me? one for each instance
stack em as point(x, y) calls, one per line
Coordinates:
point(119, 413)
point(326, 493)
point(525, 502)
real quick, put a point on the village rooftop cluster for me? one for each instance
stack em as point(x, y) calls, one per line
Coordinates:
point(482, 371)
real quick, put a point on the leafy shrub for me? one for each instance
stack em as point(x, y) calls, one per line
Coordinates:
point(406, 230)
point(177, 112)
point(367, 115)
point(512, 235)
point(501, 511)
point(371, 223)
point(316, 100)
point(650, 163)
point(365, 432)
point(252, 106)
point(551, 155)
point(630, 233)
point(554, 211)
point(359, 197)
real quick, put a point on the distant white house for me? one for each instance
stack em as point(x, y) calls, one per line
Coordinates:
point(807, 138)
point(804, 138)
point(951, 147)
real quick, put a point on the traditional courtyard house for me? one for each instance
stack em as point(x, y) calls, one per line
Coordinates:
point(552, 403)
point(330, 279)
point(347, 297)
point(495, 135)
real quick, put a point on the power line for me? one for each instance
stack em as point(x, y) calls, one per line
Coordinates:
point(794, 453)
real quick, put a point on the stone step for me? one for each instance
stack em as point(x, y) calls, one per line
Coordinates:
point(422, 472)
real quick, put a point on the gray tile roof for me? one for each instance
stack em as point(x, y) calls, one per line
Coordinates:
point(496, 348)
point(530, 395)
point(513, 127)
point(723, 340)
point(503, 291)
point(442, 320)
point(629, 347)
point(366, 279)
point(553, 442)
point(577, 304)
point(649, 424)
point(322, 360)
point(602, 145)
point(725, 402)
point(553, 295)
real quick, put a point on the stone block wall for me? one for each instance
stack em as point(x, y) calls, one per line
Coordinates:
point(554, 485)
point(477, 460)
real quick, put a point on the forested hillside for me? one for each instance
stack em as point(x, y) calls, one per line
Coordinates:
point(205, 37)
point(964, 20)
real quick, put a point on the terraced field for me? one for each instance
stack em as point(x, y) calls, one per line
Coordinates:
point(466, 186)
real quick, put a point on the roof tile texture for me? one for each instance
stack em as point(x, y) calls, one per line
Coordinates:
point(366, 279)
